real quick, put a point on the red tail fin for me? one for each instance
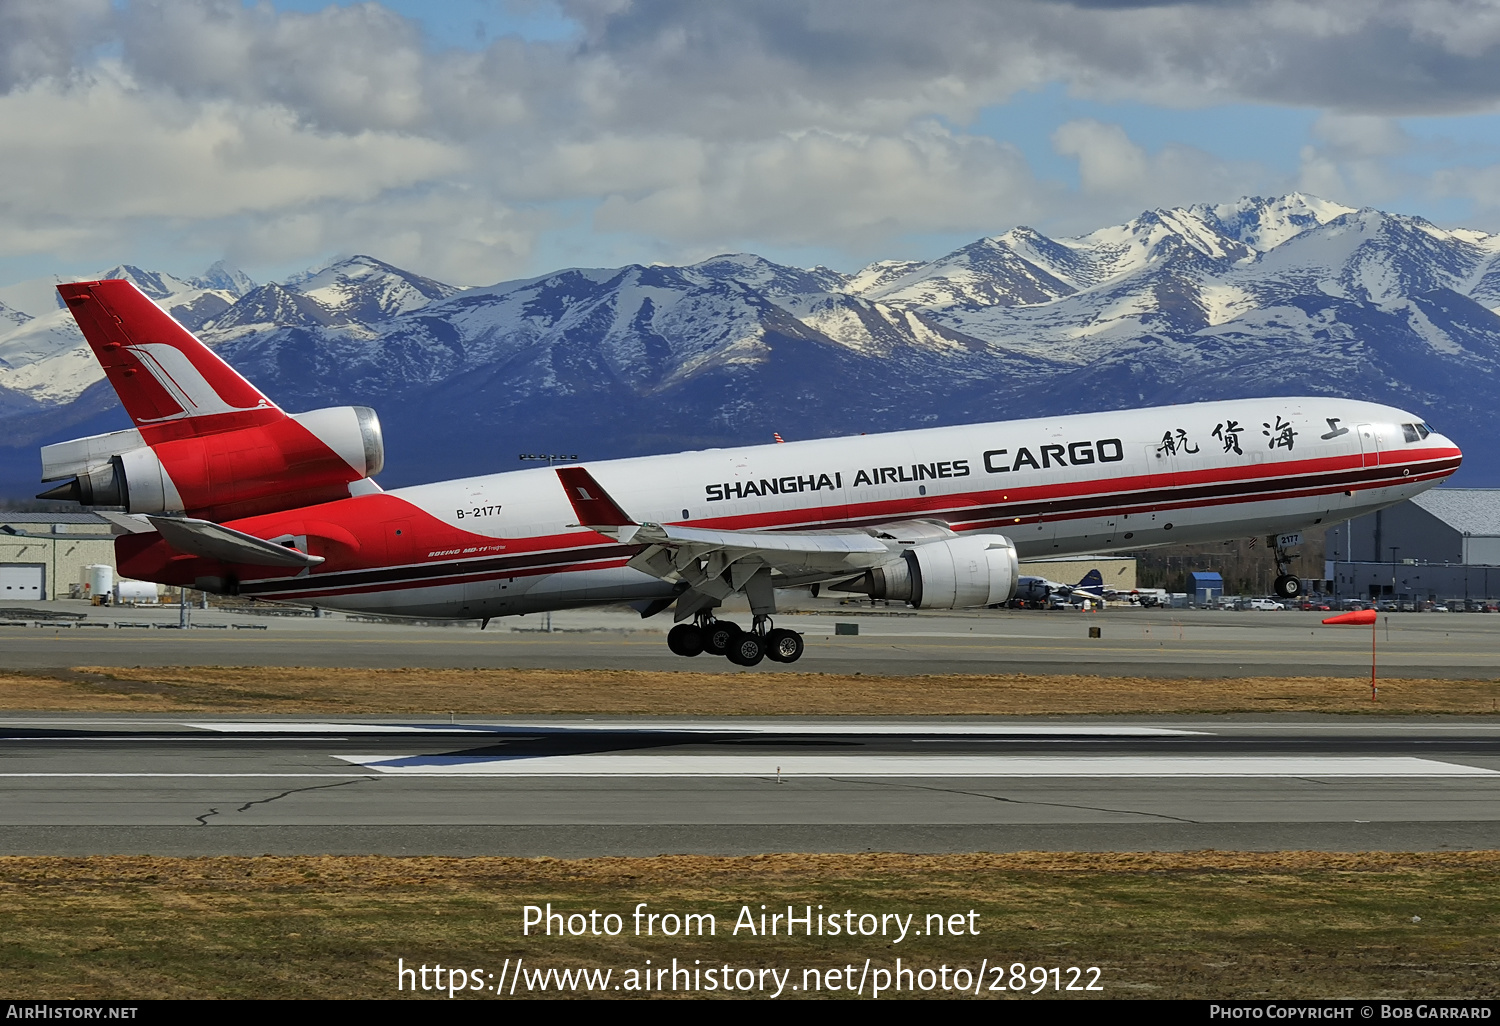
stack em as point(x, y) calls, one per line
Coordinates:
point(163, 375)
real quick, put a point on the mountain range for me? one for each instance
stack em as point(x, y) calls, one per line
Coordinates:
point(1263, 296)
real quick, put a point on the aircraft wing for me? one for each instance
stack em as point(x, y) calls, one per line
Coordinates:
point(215, 541)
point(790, 554)
point(719, 562)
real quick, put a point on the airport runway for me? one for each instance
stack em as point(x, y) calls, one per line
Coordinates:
point(92, 784)
point(1181, 643)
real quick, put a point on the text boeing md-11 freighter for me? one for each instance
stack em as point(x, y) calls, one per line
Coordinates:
point(227, 493)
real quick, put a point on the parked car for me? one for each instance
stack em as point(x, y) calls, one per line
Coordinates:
point(1265, 603)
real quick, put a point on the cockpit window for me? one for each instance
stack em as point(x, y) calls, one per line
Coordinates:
point(1410, 431)
point(1424, 429)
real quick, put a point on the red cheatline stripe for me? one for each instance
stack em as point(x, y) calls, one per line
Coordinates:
point(1107, 495)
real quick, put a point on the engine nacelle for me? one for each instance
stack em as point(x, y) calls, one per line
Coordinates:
point(135, 480)
point(958, 573)
point(295, 461)
point(351, 431)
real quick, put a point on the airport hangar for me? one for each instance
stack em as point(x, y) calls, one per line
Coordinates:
point(43, 554)
point(1442, 545)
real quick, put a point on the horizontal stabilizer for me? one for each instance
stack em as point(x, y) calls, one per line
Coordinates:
point(215, 541)
point(127, 523)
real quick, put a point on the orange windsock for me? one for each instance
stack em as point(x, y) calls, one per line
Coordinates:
point(1358, 616)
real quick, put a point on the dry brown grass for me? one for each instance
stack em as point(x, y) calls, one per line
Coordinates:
point(318, 691)
point(1206, 924)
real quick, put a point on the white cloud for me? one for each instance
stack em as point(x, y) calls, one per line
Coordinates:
point(692, 124)
point(40, 38)
point(821, 188)
point(1118, 177)
point(447, 232)
point(103, 148)
point(1349, 159)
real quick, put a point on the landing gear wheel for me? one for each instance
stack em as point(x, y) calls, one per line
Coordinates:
point(685, 640)
point(719, 635)
point(1287, 586)
point(783, 646)
point(746, 649)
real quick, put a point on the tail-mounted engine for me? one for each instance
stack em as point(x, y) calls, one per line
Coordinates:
point(960, 573)
point(206, 442)
point(297, 461)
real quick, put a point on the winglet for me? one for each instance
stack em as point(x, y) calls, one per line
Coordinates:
point(595, 509)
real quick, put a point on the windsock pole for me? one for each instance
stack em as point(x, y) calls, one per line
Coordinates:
point(1361, 616)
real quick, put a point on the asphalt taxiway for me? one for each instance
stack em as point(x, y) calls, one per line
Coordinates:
point(1133, 642)
point(91, 784)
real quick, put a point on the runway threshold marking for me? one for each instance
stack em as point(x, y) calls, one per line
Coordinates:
point(912, 766)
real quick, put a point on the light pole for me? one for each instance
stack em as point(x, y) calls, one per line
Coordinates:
point(551, 458)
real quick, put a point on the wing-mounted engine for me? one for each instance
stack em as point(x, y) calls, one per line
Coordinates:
point(300, 460)
point(962, 572)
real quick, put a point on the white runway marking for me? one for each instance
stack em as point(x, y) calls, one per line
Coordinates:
point(714, 727)
point(205, 776)
point(339, 728)
point(914, 766)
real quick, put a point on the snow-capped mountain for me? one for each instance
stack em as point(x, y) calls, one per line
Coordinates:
point(43, 357)
point(1287, 295)
point(357, 292)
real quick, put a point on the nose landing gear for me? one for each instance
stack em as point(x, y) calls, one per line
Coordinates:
point(741, 647)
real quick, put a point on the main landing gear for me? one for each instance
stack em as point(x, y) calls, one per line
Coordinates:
point(741, 647)
point(1287, 585)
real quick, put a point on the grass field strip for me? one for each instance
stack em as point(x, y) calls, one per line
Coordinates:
point(761, 765)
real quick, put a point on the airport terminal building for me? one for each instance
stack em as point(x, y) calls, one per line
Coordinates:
point(1441, 546)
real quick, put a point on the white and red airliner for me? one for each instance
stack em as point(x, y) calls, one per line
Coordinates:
point(223, 491)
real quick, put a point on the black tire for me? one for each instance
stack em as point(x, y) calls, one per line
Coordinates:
point(1287, 587)
point(783, 646)
point(719, 635)
point(685, 640)
point(746, 649)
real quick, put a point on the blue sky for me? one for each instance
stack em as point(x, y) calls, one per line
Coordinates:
point(478, 140)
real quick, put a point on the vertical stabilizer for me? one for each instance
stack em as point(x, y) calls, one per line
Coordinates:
point(164, 376)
